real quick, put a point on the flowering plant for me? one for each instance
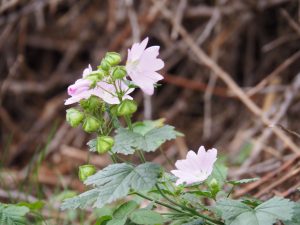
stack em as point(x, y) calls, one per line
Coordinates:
point(196, 192)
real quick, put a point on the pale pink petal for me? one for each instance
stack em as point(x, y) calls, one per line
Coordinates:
point(154, 76)
point(142, 64)
point(87, 71)
point(78, 97)
point(184, 176)
point(79, 86)
point(108, 93)
point(207, 158)
point(138, 49)
point(191, 155)
point(196, 167)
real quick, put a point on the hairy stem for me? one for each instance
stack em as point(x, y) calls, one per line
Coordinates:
point(194, 212)
point(159, 202)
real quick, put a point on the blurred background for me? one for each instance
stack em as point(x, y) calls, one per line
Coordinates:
point(231, 81)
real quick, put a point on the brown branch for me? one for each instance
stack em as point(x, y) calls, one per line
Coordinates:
point(206, 60)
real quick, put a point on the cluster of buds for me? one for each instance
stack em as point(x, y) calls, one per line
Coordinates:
point(103, 94)
point(87, 115)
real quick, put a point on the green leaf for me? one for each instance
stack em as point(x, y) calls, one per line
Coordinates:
point(146, 136)
point(103, 220)
point(117, 221)
point(296, 216)
point(125, 209)
point(81, 201)
point(12, 214)
point(146, 216)
point(147, 125)
point(33, 206)
point(237, 213)
point(114, 182)
point(92, 145)
point(252, 202)
point(194, 222)
point(243, 181)
point(64, 195)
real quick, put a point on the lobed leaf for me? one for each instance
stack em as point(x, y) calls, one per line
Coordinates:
point(237, 213)
point(114, 182)
point(146, 136)
point(296, 216)
point(146, 216)
point(13, 215)
point(125, 209)
point(195, 222)
point(81, 201)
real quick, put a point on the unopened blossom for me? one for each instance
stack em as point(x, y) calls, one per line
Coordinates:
point(142, 66)
point(196, 167)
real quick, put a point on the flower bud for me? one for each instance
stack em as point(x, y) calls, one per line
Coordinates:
point(94, 103)
point(85, 171)
point(96, 76)
point(74, 117)
point(104, 144)
point(114, 110)
point(91, 124)
point(119, 72)
point(105, 65)
point(214, 186)
point(113, 58)
point(127, 107)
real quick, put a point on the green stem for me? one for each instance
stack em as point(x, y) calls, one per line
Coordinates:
point(113, 157)
point(194, 212)
point(128, 121)
point(141, 155)
point(159, 202)
point(231, 190)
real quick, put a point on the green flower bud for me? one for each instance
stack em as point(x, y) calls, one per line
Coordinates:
point(127, 107)
point(94, 103)
point(105, 65)
point(104, 144)
point(91, 124)
point(91, 104)
point(85, 171)
point(114, 110)
point(113, 58)
point(96, 76)
point(119, 72)
point(214, 186)
point(74, 117)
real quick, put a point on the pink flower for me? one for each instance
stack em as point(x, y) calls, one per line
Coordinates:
point(196, 167)
point(107, 92)
point(142, 64)
point(81, 85)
